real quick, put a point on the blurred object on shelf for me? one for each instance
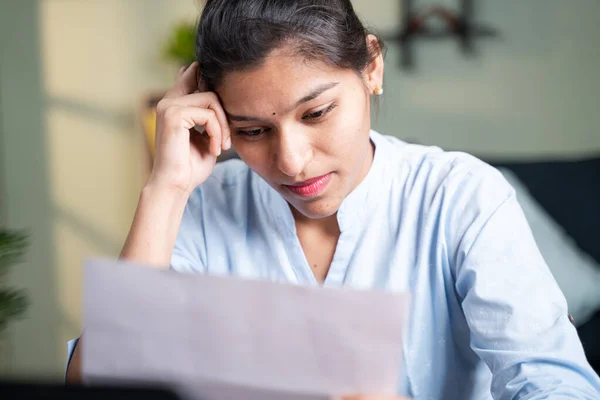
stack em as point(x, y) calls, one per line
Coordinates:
point(147, 119)
point(180, 45)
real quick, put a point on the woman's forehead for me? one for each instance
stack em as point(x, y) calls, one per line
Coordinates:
point(279, 68)
point(280, 81)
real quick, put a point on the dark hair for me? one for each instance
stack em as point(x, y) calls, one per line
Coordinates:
point(237, 35)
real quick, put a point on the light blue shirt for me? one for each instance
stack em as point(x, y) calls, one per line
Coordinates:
point(487, 319)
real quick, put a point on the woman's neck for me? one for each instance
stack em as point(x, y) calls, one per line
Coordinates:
point(328, 225)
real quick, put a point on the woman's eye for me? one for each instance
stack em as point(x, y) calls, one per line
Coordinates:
point(315, 115)
point(251, 132)
point(318, 114)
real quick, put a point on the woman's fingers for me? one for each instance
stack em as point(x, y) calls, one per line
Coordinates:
point(187, 118)
point(191, 130)
point(210, 101)
point(213, 130)
point(186, 83)
point(212, 127)
point(185, 93)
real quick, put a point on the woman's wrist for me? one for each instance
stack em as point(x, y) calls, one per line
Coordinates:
point(168, 196)
point(155, 225)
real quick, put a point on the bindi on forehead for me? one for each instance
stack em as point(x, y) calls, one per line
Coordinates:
point(311, 96)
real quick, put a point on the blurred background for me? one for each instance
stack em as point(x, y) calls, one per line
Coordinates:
point(78, 79)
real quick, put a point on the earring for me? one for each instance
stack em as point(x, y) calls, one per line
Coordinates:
point(378, 91)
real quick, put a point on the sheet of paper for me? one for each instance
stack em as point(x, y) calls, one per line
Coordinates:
point(216, 336)
point(221, 391)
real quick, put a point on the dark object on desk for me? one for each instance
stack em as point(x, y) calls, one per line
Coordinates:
point(570, 192)
point(30, 390)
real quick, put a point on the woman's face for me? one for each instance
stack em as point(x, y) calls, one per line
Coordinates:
point(303, 127)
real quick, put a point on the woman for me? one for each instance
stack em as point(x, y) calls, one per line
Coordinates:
point(320, 199)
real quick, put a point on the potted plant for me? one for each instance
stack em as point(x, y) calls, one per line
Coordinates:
point(13, 302)
point(180, 44)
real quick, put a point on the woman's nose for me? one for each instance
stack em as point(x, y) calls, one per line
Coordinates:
point(293, 152)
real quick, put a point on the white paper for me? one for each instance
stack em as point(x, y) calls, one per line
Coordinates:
point(215, 337)
point(221, 391)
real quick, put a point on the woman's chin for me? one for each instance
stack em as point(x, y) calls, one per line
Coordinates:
point(317, 208)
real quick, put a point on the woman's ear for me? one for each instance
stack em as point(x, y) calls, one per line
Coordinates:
point(374, 71)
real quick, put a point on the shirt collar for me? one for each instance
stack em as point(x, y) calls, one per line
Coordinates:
point(365, 196)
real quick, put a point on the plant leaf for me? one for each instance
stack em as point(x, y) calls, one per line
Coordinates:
point(13, 245)
point(13, 304)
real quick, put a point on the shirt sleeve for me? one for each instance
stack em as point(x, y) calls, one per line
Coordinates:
point(189, 253)
point(516, 313)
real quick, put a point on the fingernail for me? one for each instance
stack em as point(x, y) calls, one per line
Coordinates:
point(218, 151)
point(228, 144)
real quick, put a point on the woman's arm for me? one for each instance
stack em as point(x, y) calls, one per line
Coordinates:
point(184, 159)
point(150, 242)
point(155, 225)
point(516, 313)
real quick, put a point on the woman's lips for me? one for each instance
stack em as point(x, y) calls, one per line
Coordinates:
point(311, 187)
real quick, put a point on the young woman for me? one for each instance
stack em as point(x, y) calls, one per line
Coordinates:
point(321, 199)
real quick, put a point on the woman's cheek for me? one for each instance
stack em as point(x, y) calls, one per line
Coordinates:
point(253, 154)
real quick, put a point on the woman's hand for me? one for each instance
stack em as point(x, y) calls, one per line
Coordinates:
point(184, 157)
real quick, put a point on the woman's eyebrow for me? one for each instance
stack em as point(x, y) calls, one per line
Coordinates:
point(243, 118)
point(319, 90)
